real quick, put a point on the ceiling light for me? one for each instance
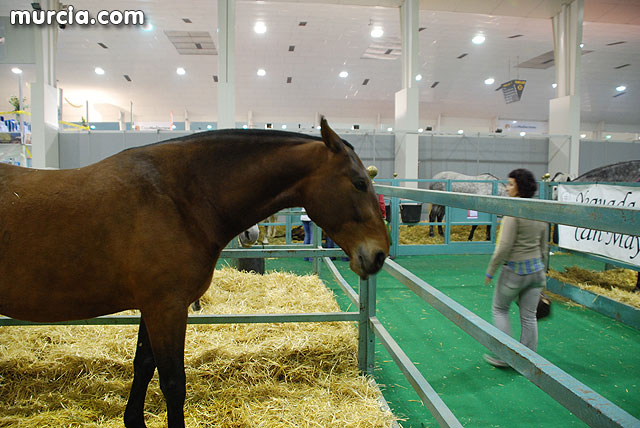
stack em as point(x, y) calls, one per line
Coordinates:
point(343, 74)
point(181, 71)
point(554, 85)
point(389, 129)
point(478, 40)
point(284, 126)
point(260, 28)
point(245, 127)
point(377, 32)
point(420, 130)
point(418, 77)
point(514, 121)
point(16, 70)
point(261, 72)
point(99, 71)
point(608, 137)
point(522, 134)
point(209, 126)
point(621, 88)
point(583, 135)
point(489, 81)
point(460, 131)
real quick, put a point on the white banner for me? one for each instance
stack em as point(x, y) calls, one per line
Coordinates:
point(625, 248)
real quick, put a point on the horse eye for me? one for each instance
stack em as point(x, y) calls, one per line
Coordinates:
point(360, 185)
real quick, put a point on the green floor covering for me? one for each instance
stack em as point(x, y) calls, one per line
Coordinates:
point(598, 351)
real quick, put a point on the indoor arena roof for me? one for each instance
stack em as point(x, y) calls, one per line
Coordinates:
point(307, 44)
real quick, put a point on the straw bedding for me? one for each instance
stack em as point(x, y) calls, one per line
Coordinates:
point(617, 284)
point(239, 375)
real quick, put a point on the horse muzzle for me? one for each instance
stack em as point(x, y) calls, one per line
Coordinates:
point(366, 262)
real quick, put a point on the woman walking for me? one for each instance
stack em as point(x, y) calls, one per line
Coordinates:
point(522, 250)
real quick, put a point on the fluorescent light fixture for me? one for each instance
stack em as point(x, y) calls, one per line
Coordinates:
point(621, 88)
point(522, 134)
point(260, 28)
point(99, 71)
point(389, 129)
point(343, 74)
point(16, 70)
point(377, 32)
point(554, 85)
point(418, 77)
point(460, 131)
point(583, 135)
point(489, 81)
point(181, 71)
point(261, 72)
point(478, 40)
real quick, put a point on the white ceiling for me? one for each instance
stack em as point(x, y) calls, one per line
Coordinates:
point(334, 39)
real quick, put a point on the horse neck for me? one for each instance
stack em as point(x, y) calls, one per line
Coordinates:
point(243, 182)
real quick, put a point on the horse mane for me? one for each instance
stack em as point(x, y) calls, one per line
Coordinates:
point(251, 133)
point(490, 175)
point(602, 169)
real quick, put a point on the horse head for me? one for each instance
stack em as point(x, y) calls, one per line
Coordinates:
point(339, 197)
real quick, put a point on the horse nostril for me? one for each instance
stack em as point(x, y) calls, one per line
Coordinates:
point(379, 259)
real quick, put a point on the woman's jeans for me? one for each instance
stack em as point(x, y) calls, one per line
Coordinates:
point(527, 288)
point(308, 235)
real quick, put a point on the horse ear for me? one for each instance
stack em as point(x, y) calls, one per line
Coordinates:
point(331, 139)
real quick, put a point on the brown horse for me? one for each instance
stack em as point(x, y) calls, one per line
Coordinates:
point(144, 228)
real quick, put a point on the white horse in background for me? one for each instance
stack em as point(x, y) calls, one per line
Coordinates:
point(437, 211)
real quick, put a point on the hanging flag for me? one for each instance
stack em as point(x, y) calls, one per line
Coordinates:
point(512, 90)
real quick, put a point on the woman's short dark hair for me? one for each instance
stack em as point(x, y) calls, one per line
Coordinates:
point(526, 182)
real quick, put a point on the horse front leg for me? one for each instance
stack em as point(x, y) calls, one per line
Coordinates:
point(473, 230)
point(167, 326)
point(143, 367)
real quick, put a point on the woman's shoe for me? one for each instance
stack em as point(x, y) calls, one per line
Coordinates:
point(494, 361)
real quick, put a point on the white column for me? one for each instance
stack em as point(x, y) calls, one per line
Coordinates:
point(564, 111)
point(226, 64)
point(407, 99)
point(187, 122)
point(122, 122)
point(44, 95)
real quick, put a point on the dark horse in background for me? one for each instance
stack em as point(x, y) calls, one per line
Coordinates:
point(143, 229)
point(437, 211)
point(621, 172)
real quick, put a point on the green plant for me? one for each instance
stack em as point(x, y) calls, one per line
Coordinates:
point(15, 102)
